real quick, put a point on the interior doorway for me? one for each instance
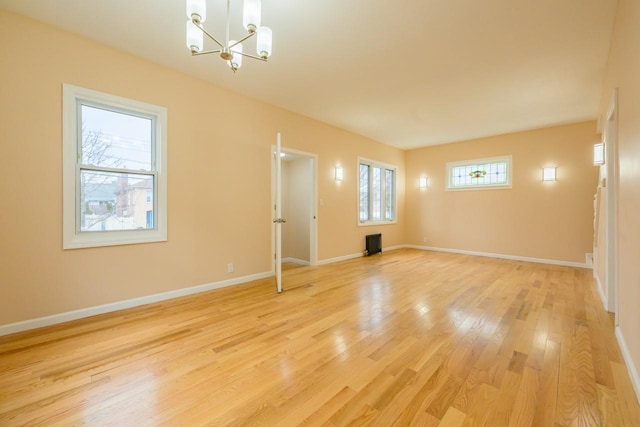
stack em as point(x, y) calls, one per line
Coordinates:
point(298, 207)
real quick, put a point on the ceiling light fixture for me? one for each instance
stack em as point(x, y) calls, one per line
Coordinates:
point(230, 50)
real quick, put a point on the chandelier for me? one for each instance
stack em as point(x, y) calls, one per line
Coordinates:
point(229, 50)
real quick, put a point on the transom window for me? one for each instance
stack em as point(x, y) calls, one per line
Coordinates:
point(377, 192)
point(479, 174)
point(114, 174)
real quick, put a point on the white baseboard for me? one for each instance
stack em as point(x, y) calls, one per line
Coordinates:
point(603, 298)
point(502, 256)
point(54, 319)
point(631, 368)
point(339, 258)
point(296, 261)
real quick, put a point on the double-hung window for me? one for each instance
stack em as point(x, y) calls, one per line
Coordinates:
point(377, 192)
point(114, 170)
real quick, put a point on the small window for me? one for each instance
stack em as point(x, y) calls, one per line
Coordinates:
point(479, 174)
point(114, 163)
point(377, 192)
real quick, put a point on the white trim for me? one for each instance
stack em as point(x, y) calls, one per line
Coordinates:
point(611, 227)
point(54, 319)
point(358, 255)
point(628, 360)
point(296, 261)
point(71, 238)
point(339, 258)
point(502, 256)
point(603, 297)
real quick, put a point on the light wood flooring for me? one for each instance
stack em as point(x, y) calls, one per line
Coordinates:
point(403, 338)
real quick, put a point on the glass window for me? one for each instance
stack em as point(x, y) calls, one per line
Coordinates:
point(114, 153)
point(377, 192)
point(479, 173)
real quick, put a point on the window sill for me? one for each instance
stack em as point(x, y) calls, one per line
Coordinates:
point(117, 238)
point(371, 223)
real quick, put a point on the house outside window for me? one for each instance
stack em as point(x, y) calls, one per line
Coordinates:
point(114, 170)
point(376, 192)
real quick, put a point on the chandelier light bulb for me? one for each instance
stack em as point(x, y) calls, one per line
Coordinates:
point(264, 42)
point(236, 61)
point(194, 37)
point(197, 9)
point(251, 15)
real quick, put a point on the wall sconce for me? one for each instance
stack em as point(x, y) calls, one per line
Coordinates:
point(598, 154)
point(549, 173)
point(423, 182)
point(339, 173)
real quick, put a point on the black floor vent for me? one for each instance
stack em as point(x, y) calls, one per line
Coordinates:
point(373, 243)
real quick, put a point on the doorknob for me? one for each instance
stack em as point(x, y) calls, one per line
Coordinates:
point(280, 220)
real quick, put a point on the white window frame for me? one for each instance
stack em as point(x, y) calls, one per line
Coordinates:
point(385, 167)
point(72, 238)
point(500, 159)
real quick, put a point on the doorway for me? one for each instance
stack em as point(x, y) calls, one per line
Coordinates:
point(299, 187)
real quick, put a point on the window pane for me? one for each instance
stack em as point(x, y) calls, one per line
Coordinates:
point(471, 175)
point(364, 192)
point(115, 140)
point(389, 196)
point(376, 196)
point(115, 201)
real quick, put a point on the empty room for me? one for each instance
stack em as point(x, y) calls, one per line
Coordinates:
point(322, 213)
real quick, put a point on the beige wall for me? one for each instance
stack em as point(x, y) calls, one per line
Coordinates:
point(623, 72)
point(218, 178)
point(297, 183)
point(549, 220)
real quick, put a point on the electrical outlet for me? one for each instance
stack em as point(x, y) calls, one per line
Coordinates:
point(424, 239)
point(230, 267)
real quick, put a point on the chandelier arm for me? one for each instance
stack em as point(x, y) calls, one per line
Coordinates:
point(253, 56)
point(206, 52)
point(208, 34)
point(242, 39)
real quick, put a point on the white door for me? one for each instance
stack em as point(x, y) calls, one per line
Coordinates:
point(277, 219)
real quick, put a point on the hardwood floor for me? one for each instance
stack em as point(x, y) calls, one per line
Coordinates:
point(403, 338)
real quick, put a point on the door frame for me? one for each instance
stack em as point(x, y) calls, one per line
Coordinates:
point(313, 223)
point(611, 162)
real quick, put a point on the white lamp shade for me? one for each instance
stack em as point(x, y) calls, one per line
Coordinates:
point(264, 42)
point(598, 154)
point(549, 173)
point(339, 173)
point(237, 54)
point(194, 37)
point(423, 182)
point(197, 7)
point(251, 14)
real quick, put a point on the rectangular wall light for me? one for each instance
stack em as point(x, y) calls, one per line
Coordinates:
point(598, 154)
point(423, 182)
point(549, 173)
point(339, 173)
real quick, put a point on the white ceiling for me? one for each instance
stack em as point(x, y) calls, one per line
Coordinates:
point(407, 73)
